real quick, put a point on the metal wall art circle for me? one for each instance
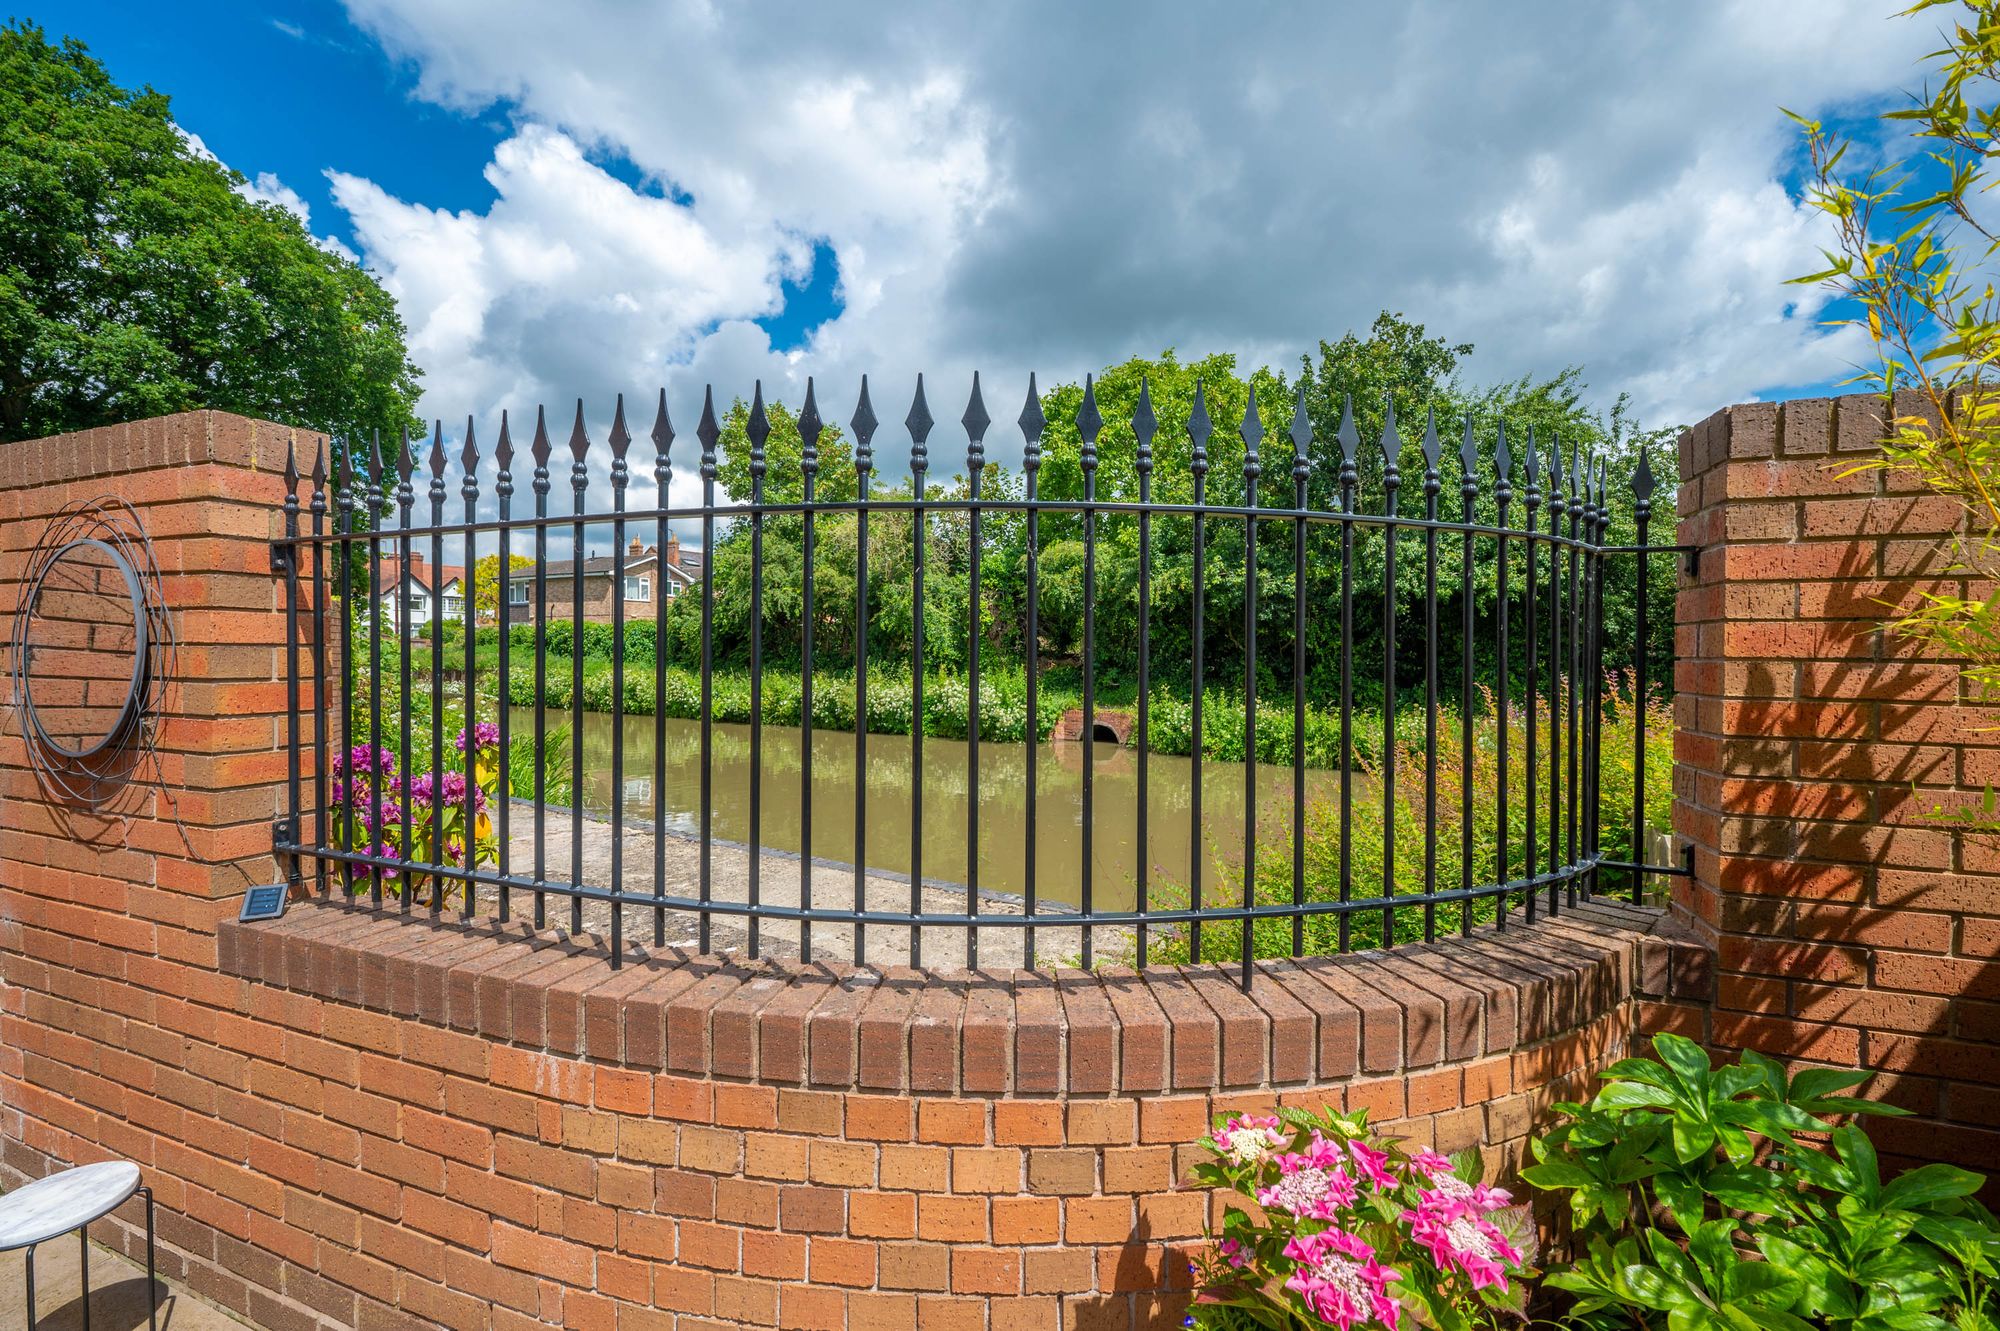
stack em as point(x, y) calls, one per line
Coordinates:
point(93, 649)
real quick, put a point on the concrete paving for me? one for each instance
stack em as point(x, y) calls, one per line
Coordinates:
point(117, 1293)
point(780, 885)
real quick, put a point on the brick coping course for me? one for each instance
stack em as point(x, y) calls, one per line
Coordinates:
point(987, 1032)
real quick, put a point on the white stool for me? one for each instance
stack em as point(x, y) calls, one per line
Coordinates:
point(71, 1200)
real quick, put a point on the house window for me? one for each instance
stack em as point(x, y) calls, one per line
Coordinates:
point(454, 605)
point(517, 593)
point(638, 588)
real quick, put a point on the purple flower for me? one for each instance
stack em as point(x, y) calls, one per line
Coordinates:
point(366, 760)
point(451, 789)
point(485, 735)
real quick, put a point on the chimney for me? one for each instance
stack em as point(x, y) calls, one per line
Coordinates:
point(637, 548)
point(673, 550)
point(416, 564)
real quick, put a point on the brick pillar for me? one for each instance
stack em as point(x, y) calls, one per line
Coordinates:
point(108, 919)
point(1851, 926)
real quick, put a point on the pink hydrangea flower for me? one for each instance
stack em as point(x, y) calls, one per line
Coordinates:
point(1373, 1164)
point(1339, 1280)
point(1312, 1185)
point(1459, 1236)
point(1430, 1163)
point(1248, 1138)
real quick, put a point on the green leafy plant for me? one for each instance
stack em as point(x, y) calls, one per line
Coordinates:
point(1366, 840)
point(1699, 1206)
point(1344, 1228)
point(1914, 258)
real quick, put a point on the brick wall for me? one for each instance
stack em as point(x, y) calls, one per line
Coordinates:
point(389, 1122)
point(487, 1126)
point(1851, 926)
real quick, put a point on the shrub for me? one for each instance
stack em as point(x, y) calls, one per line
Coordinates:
point(1699, 1206)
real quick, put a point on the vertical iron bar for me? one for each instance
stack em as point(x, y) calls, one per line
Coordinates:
point(809, 432)
point(1032, 424)
point(1392, 480)
point(1199, 428)
point(918, 422)
point(1468, 490)
point(579, 481)
point(343, 523)
point(406, 504)
point(1252, 432)
point(759, 430)
point(663, 438)
point(377, 498)
point(1144, 424)
point(621, 475)
point(1503, 496)
point(1301, 472)
point(1350, 476)
point(322, 704)
point(1589, 788)
point(863, 424)
point(1088, 424)
point(708, 432)
point(436, 590)
point(1597, 676)
point(293, 725)
point(503, 491)
point(975, 421)
point(1433, 485)
point(540, 451)
point(467, 587)
point(1642, 516)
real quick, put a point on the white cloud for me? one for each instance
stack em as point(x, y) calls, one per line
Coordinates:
point(267, 188)
point(1031, 184)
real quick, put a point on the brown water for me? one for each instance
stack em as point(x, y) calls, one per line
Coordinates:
point(1002, 803)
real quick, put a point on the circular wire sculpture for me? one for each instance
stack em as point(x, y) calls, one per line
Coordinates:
point(93, 651)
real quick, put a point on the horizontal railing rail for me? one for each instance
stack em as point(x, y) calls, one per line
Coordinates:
point(442, 797)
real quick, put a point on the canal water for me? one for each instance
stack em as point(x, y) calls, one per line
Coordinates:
point(1002, 801)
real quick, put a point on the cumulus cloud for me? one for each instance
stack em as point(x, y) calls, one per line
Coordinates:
point(268, 188)
point(1038, 185)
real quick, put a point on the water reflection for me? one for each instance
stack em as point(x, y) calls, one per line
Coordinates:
point(1002, 802)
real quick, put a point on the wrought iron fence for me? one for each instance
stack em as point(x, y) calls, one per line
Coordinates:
point(478, 828)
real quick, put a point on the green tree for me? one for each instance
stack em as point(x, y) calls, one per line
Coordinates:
point(486, 580)
point(1916, 259)
point(1396, 361)
point(136, 280)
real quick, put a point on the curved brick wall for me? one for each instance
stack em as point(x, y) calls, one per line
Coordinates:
point(479, 1121)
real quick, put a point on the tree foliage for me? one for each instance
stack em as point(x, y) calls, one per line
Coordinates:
point(1915, 258)
point(136, 280)
point(486, 580)
point(1396, 361)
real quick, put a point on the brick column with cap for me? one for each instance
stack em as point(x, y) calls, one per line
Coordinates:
point(1851, 925)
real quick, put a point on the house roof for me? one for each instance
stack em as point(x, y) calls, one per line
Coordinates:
point(420, 573)
point(594, 566)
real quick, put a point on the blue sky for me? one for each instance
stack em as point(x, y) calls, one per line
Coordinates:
point(598, 197)
point(332, 98)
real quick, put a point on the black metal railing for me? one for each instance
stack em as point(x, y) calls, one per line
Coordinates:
point(371, 825)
